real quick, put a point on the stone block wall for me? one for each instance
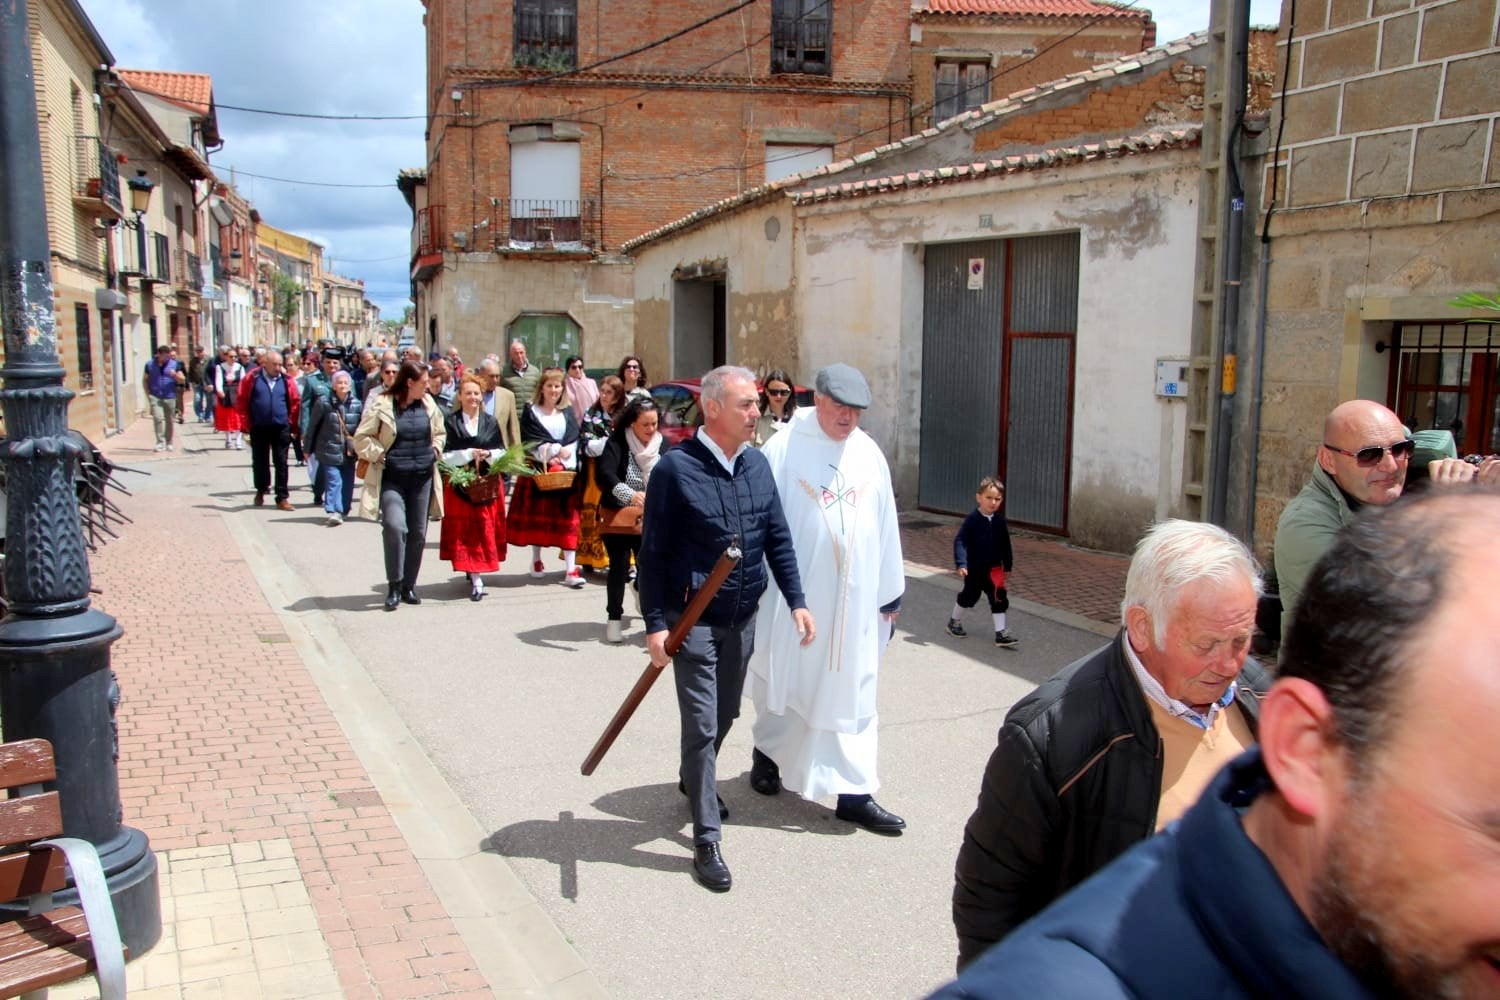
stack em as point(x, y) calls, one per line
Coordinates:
point(1388, 98)
point(1387, 207)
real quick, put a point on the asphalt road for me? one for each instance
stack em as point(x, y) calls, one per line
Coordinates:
point(506, 696)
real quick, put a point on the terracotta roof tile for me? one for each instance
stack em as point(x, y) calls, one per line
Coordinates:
point(1135, 145)
point(1035, 8)
point(194, 91)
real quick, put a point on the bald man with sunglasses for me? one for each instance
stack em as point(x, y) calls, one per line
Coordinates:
point(1362, 461)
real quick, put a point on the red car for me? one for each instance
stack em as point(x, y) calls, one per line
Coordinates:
point(677, 402)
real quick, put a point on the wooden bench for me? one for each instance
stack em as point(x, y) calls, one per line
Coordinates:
point(50, 945)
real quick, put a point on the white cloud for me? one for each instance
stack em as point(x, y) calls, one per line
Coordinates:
point(329, 57)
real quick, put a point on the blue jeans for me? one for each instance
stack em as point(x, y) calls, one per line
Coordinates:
point(203, 402)
point(338, 486)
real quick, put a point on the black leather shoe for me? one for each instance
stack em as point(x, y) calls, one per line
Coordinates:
point(723, 809)
point(409, 596)
point(709, 868)
point(393, 598)
point(869, 815)
point(765, 776)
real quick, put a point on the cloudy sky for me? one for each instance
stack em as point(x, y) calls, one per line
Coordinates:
point(341, 57)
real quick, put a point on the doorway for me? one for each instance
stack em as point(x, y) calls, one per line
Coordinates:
point(700, 320)
point(999, 326)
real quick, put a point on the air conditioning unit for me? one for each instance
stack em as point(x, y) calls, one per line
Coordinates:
point(461, 240)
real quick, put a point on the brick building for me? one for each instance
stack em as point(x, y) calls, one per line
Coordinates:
point(534, 179)
point(1388, 200)
point(964, 53)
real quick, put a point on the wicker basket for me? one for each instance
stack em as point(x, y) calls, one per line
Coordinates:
point(484, 489)
point(554, 480)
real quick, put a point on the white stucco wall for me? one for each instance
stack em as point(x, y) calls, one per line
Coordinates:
point(757, 243)
point(860, 261)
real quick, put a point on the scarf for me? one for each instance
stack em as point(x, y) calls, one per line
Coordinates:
point(645, 455)
point(583, 392)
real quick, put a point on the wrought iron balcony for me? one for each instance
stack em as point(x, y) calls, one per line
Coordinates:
point(799, 44)
point(155, 266)
point(96, 173)
point(188, 274)
point(552, 223)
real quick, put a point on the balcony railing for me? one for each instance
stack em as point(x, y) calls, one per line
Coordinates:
point(546, 36)
point(156, 265)
point(799, 44)
point(428, 236)
point(96, 174)
point(188, 274)
point(552, 222)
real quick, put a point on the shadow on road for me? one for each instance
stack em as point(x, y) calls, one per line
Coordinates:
point(565, 637)
point(648, 814)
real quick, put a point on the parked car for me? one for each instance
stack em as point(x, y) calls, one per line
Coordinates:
point(677, 402)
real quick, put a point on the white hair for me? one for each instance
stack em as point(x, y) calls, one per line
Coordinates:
point(1176, 554)
point(342, 377)
point(715, 381)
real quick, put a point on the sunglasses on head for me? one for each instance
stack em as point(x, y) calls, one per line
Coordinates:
point(1372, 456)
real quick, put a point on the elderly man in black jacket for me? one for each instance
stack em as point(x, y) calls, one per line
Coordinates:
point(709, 492)
point(1120, 743)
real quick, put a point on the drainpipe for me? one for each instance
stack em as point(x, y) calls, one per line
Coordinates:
point(1229, 316)
point(1260, 367)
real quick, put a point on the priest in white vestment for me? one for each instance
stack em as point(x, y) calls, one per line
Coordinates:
point(815, 705)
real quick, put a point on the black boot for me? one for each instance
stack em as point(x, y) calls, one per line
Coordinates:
point(409, 596)
point(393, 597)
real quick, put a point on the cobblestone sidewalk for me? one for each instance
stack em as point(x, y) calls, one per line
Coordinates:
point(283, 872)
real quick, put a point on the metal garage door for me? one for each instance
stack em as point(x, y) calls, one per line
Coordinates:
point(1000, 319)
point(962, 342)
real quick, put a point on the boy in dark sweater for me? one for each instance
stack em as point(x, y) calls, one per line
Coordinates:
point(981, 551)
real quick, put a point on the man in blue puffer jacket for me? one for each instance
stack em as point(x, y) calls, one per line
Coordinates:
point(708, 493)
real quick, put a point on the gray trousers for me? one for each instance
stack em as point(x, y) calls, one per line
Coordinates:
point(403, 524)
point(709, 672)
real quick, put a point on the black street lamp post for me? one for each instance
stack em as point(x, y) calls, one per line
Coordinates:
point(55, 681)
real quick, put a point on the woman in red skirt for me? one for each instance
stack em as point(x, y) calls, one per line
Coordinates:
point(227, 377)
point(548, 518)
point(473, 533)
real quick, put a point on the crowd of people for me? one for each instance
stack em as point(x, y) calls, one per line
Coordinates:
point(1163, 817)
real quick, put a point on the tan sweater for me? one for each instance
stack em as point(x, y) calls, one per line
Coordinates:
point(1192, 756)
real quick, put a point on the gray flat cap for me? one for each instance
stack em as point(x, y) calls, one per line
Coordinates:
point(844, 384)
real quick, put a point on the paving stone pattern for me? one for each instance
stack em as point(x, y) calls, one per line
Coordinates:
point(1047, 570)
point(227, 744)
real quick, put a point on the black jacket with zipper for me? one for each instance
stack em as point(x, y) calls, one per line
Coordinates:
point(1075, 780)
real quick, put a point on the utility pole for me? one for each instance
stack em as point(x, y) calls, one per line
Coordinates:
point(55, 681)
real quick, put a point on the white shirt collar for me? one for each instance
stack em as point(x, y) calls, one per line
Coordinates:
point(1153, 689)
point(713, 446)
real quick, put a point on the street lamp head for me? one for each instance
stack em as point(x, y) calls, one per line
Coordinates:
point(140, 192)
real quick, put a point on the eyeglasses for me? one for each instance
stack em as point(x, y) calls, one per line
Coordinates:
point(390, 371)
point(1372, 456)
point(633, 367)
point(778, 392)
point(578, 367)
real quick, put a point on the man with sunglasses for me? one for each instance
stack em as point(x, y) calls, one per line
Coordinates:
point(1362, 461)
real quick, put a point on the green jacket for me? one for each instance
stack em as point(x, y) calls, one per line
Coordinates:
point(1303, 534)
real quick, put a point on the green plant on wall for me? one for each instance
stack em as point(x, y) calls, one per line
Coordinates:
point(287, 297)
point(1477, 300)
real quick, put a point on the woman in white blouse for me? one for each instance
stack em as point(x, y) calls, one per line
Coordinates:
point(473, 533)
point(548, 518)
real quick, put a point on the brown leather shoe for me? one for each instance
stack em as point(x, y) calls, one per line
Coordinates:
point(284, 505)
point(260, 498)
